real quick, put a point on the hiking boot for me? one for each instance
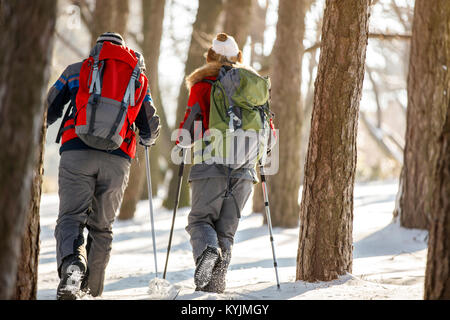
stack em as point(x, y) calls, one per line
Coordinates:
point(218, 281)
point(205, 265)
point(73, 272)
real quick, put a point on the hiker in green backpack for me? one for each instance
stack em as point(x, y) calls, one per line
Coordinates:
point(225, 98)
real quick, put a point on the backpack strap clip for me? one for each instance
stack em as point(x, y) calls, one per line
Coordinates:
point(235, 121)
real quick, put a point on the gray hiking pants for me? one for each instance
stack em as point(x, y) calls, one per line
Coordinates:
point(91, 187)
point(213, 219)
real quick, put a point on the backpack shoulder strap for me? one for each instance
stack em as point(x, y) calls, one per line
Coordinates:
point(211, 82)
point(96, 75)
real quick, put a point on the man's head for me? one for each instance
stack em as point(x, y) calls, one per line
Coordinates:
point(224, 49)
point(112, 37)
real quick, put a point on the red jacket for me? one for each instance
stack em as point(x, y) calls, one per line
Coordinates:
point(199, 101)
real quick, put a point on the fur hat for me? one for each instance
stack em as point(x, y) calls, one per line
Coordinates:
point(224, 49)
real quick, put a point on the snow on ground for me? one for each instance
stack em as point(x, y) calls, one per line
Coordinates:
point(389, 261)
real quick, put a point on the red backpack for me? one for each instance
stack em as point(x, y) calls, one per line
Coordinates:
point(112, 89)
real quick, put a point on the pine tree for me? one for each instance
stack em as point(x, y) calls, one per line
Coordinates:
point(153, 16)
point(425, 112)
point(238, 15)
point(326, 212)
point(26, 39)
point(285, 76)
point(436, 21)
point(27, 268)
point(108, 16)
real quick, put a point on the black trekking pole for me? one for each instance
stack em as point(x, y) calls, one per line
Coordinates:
point(150, 199)
point(177, 199)
point(269, 221)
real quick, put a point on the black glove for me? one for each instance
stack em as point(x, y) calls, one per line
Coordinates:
point(146, 142)
point(149, 139)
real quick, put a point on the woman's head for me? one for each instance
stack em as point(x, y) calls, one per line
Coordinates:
point(224, 49)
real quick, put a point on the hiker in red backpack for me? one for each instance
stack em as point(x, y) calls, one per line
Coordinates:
point(109, 95)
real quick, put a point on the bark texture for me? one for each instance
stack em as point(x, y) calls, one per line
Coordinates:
point(238, 15)
point(326, 213)
point(26, 39)
point(285, 76)
point(437, 276)
point(153, 16)
point(425, 112)
point(205, 24)
point(27, 269)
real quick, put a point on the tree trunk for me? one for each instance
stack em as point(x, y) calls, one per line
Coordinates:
point(285, 75)
point(109, 16)
point(153, 16)
point(120, 17)
point(205, 23)
point(326, 213)
point(238, 15)
point(26, 39)
point(437, 276)
point(27, 269)
point(102, 19)
point(425, 112)
point(153, 11)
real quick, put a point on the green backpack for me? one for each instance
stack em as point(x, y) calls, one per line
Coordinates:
point(239, 119)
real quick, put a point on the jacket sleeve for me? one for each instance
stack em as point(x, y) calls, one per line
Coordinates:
point(195, 111)
point(58, 96)
point(148, 121)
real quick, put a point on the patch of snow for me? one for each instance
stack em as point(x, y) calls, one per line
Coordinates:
point(389, 261)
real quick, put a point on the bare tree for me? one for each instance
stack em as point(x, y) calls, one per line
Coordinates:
point(326, 213)
point(26, 39)
point(285, 76)
point(203, 29)
point(425, 112)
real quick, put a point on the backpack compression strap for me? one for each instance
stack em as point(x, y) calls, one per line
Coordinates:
point(96, 87)
point(128, 98)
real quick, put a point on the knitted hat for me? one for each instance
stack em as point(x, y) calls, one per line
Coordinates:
point(225, 45)
point(111, 37)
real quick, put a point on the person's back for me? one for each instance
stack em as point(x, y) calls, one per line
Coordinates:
point(219, 192)
point(93, 178)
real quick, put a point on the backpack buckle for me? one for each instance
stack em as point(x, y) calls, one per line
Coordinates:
point(96, 97)
point(234, 122)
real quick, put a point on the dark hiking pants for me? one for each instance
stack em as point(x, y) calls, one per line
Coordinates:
point(214, 219)
point(91, 187)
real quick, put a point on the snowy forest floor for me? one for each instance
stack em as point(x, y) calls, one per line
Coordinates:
point(389, 261)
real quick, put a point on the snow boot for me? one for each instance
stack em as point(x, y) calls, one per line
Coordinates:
point(72, 274)
point(205, 265)
point(218, 281)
